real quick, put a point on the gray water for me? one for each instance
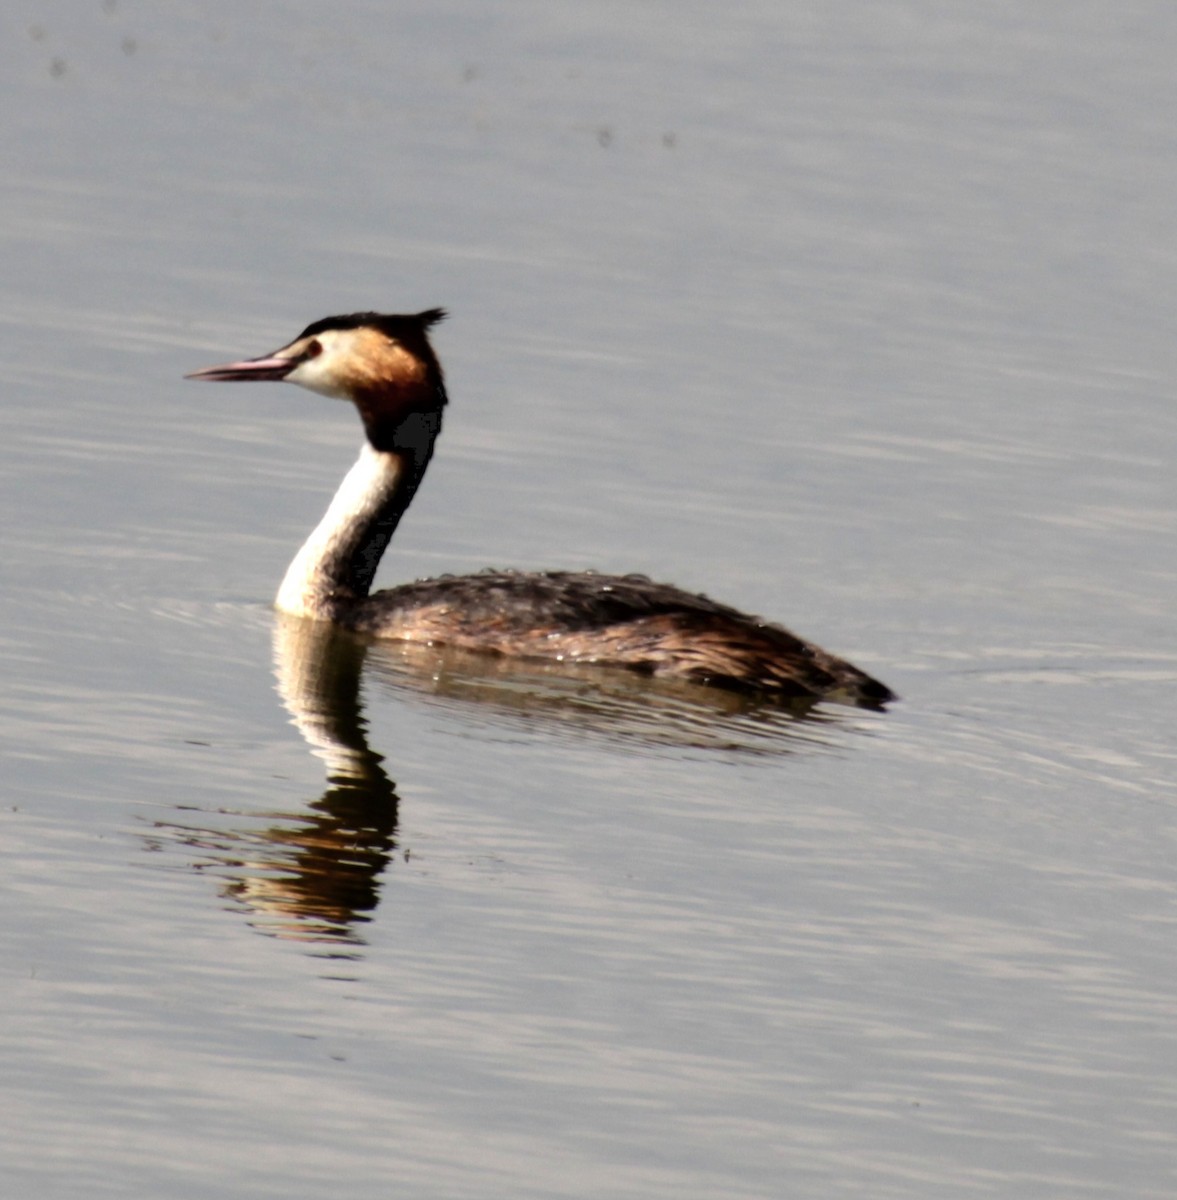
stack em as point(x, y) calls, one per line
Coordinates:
point(860, 316)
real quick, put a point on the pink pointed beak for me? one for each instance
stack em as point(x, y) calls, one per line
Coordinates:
point(270, 366)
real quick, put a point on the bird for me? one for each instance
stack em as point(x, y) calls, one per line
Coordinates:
point(385, 365)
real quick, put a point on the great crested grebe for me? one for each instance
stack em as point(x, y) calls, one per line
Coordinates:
point(386, 367)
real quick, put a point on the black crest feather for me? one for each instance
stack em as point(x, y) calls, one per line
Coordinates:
point(395, 325)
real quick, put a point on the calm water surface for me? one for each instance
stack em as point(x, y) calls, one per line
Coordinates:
point(859, 317)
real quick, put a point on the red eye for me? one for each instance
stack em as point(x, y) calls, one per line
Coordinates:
point(313, 350)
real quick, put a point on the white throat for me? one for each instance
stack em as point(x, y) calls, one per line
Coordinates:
point(338, 561)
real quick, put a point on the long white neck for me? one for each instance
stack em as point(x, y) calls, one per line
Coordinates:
point(337, 563)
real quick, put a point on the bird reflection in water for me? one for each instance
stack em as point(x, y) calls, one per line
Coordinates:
point(312, 876)
point(316, 876)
